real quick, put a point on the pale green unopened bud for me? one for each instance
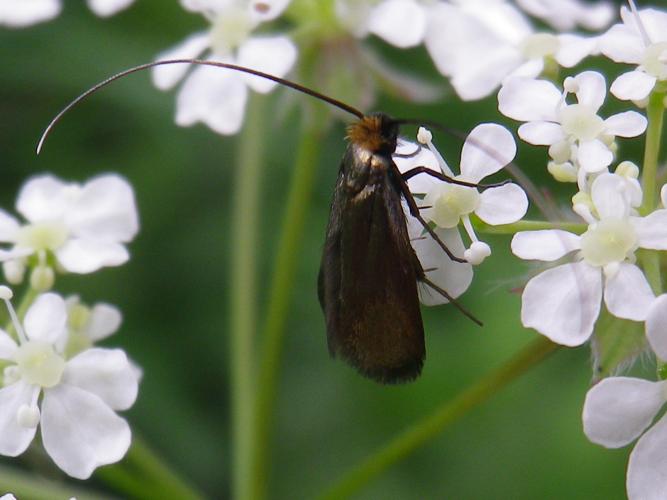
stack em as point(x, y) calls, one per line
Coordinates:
point(562, 172)
point(14, 271)
point(627, 169)
point(42, 278)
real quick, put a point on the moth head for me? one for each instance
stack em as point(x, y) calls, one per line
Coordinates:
point(376, 133)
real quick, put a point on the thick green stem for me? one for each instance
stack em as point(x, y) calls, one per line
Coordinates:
point(287, 258)
point(24, 485)
point(243, 297)
point(527, 225)
point(650, 260)
point(426, 429)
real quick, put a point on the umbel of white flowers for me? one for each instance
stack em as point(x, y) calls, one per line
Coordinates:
point(73, 401)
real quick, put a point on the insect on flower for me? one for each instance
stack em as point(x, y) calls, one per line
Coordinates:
point(368, 278)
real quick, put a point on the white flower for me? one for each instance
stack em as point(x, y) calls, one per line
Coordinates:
point(79, 427)
point(574, 132)
point(401, 23)
point(566, 15)
point(216, 96)
point(480, 43)
point(487, 149)
point(88, 325)
point(83, 226)
point(21, 13)
point(641, 40)
point(563, 302)
point(617, 411)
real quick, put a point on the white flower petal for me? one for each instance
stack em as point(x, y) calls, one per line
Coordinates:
point(106, 373)
point(453, 277)
point(80, 432)
point(401, 23)
point(7, 346)
point(43, 198)
point(105, 210)
point(46, 318)
point(618, 409)
point(594, 156)
point(18, 14)
point(272, 54)
point(652, 230)
point(529, 100)
point(646, 478)
point(502, 205)
point(486, 150)
point(610, 196)
point(592, 89)
point(481, 77)
point(8, 227)
point(572, 49)
point(105, 319)
point(203, 6)
point(166, 76)
point(105, 8)
point(633, 85)
point(656, 326)
point(627, 294)
point(563, 303)
point(267, 10)
point(214, 97)
point(622, 45)
point(654, 21)
point(626, 124)
point(547, 245)
point(83, 256)
point(14, 438)
point(541, 133)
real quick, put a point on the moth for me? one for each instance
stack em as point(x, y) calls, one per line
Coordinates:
point(367, 284)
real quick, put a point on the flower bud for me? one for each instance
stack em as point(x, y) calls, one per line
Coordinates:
point(42, 278)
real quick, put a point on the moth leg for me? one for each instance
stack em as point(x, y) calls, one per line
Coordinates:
point(408, 155)
point(414, 211)
point(451, 299)
point(438, 175)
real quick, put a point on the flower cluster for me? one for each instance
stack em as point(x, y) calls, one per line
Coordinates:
point(54, 377)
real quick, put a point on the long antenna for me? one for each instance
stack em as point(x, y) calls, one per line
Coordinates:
point(287, 83)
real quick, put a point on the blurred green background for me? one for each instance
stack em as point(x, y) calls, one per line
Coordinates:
point(526, 443)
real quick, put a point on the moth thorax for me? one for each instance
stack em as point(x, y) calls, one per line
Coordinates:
point(375, 133)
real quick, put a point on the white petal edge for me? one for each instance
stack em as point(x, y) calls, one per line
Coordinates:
point(627, 294)
point(594, 156)
point(106, 8)
point(656, 327)
point(22, 13)
point(610, 196)
point(646, 479)
point(84, 255)
point(563, 303)
point(618, 409)
point(486, 150)
point(274, 55)
point(633, 86)
point(547, 244)
point(14, 438)
point(8, 227)
point(7, 346)
point(502, 205)
point(43, 198)
point(106, 373)
point(652, 230)
point(80, 432)
point(105, 319)
point(529, 100)
point(46, 318)
point(541, 133)
point(167, 75)
point(626, 124)
point(592, 89)
point(402, 23)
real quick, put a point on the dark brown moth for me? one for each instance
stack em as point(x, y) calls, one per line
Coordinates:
point(367, 283)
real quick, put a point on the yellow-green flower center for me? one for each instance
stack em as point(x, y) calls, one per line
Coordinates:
point(449, 202)
point(42, 236)
point(655, 60)
point(610, 240)
point(39, 364)
point(581, 122)
point(232, 26)
point(540, 45)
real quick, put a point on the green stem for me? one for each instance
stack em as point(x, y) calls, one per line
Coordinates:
point(24, 485)
point(650, 260)
point(284, 267)
point(429, 427)
point(243, 298)
point(152, 470)
point(527, 225)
